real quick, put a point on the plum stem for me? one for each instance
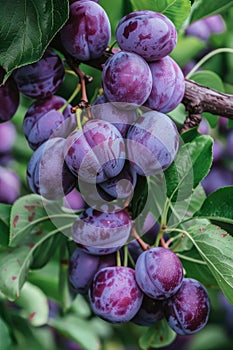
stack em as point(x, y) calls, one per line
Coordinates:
point(167, 243)
point(118, 258)
point(83, 79)
point(74, 94)
point(143, 244)
point(126, 255)
point(78, 118)
point(112, 46)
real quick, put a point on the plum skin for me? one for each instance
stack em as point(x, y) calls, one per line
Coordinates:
point(10, 185)
point(159, 273)
point(87, 32)
point(7, 136)
point(150, 312)
point(168, 85)
point(187, 312)
point(115, 295)
point(43, 121)
point(149, 34)
point(42, 78)
point(101, 233)
point(84, 266)
point(95, 153)
point(47, 173)
point(155, 136)
point(121, 118)
point(127, 79)
point(9, 98)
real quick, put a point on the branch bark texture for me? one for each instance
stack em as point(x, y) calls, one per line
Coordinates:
point(198, 99)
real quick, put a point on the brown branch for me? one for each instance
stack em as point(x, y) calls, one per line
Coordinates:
point(198, 99)
point(191, 121)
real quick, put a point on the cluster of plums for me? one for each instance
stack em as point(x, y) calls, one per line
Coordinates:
point(153, 290)
point(127, 135)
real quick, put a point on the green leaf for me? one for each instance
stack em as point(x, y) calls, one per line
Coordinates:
point(141, 193)
point(81, 307)
point(197, 199)
point(204, 8)
point(218, 206)
point(183, 210)
point(5, 210)
point(31, 231)
point(78, 330)
point(32, 213)
point(156, 195)
point(190, 135)
point(176, 10)
point(14, 265)
point(26, 29)
point(214, 331)
point(34, 305)
point(191, 165)
point(230, 123)
point(208, 79)
point(180, 53)
point(5, 336)
point(30, 337)
point(45, 251)
point(28, 211)
point(178, 114)
point(115, 11)
point(149, 196)
point(139, 197)
point(15, 262)
point(196, 268)
point(103, 328)
point(215, 246)
point(157, 336)
point(46, 279)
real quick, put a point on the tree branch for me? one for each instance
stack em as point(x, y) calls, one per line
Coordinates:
point(198, 99)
